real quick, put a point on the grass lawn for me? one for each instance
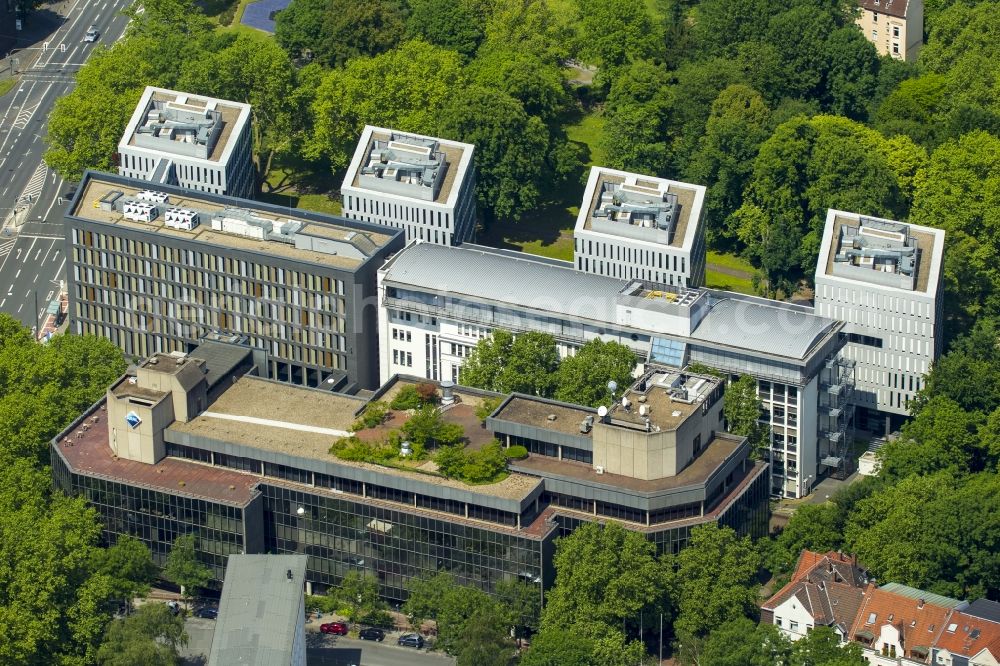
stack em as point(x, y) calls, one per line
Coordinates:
point(714, 280)
point(729, 272)
point(548, 229)
point(589, 131)
point(287, 193)
point(6, 85)
point(730, 261)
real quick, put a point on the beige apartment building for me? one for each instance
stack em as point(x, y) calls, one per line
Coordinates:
point(895, 27)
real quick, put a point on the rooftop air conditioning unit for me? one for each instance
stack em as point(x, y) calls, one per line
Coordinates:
point(599, 469)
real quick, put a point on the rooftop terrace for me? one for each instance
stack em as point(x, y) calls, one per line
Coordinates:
point(251, 228)
point(408, 165)
point(179, 123)
point(719, 449)
point(87, 450)
point(662, 397)
point(295, 421)
point(640, 207)
point(880, 252)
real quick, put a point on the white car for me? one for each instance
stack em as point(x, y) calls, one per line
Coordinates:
point(92, 34)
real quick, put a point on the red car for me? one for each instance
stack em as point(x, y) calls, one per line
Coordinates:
point(338, 628)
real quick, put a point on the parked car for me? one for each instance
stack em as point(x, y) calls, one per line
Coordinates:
point(92, 34)
point(174, 607)
point(207, 612)
point(372, 634)
point(338, 628)
point(411, 640)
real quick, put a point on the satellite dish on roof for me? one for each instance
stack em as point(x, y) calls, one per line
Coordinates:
point(602, 411)
point(612, 386)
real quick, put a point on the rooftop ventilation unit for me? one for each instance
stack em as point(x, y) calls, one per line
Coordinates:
point(152, 196)
point(139, 211)
point(181, 218)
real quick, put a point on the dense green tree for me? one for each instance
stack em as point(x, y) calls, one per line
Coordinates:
point(427, 427)
point(484, 366)
point(738, 642)
point(448, 23)
point(465, 616)
point(583, 378)
point(560, 647)
point(806, 167)
point(483, 640)
point(406, 89)
point(359, 593)
point(821, 647)
point(613, 32)
point(298, 28)
point(545, 27)
point(942, 436)
point(634, 140)
point(815, 527)
point(256, 71)
point(503, 363)
point(149, 636)
point(54, 602)
point(166, 19)
point(345, 29)
point(742, 409)
point(935, 533)
point(511, 148)
point(911, 109)
point(538, 84)
point(522, 602)
point(44, 387)
point(716, 580)
point(129, 564)
point(695, 88)
point(800, 34)
point(606, 576)
point(184, 568)
point(428, 596)
point(640, 83)
point(959, 191)
point(851, 73)
point(739, 123)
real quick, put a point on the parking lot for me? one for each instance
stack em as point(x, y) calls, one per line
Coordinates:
point(322, 649)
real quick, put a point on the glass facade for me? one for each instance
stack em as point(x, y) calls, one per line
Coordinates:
point(158, 518)
point(748, 516)
point(341, 535)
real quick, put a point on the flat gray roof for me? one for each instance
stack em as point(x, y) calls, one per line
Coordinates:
point(365, 239)
point(260, 608)
point(234, 116)
point(769, 329)
point(506, 278)
point(752, 324)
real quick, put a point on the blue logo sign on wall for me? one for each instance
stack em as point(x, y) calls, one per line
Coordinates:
point(133, 420)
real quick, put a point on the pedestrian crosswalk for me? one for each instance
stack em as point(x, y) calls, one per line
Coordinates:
point(24, 116)
point(34, 186)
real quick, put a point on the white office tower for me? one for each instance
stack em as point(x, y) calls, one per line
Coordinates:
point(422, 184)
point(640, 227)
point(201, 143)
point(883, 279)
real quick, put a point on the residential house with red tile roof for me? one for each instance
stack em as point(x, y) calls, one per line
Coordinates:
point(826, 590)
point(971, 638)
point(898, 625)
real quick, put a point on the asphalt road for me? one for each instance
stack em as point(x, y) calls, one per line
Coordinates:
point(32, 261)
point(322, 649)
